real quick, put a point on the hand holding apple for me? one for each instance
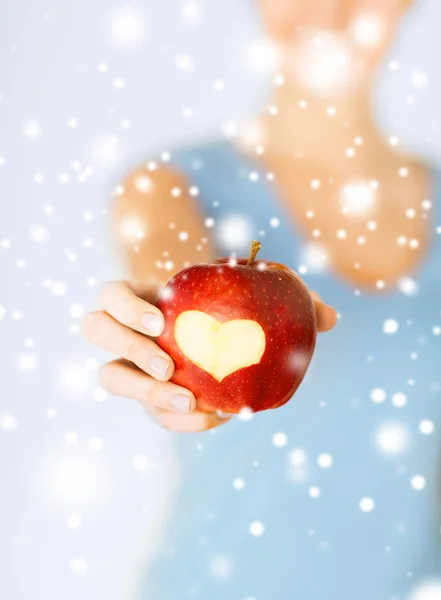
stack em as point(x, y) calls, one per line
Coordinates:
point(127, 324)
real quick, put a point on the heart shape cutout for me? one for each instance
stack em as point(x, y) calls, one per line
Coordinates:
point(219, 348)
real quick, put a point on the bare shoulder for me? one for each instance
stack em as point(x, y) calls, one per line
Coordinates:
point(157, 223)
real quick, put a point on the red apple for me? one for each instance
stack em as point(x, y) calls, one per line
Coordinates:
point(241, 332)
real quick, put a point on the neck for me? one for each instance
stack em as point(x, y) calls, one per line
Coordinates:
point(318, 128)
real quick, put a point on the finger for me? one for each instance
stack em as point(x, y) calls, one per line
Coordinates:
point(194, 423)
point(102, 330)
point(326, 315)
point(120, 301)
point(122, 379)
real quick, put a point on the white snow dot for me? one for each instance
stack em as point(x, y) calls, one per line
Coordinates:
point(280, 440)
point(314, 492)
point(274, 222)
point(184, 62)
point(367, 29)
point(428, 590)
point(79, 566)
point(73, 521)
point(99, 394)
point(378, 395)
point(246, 414)
point(31, 129)
point(325, 461)
point(27, 363)
point(315, 184)
point(38, 234)
point(399, 400)
point(96, 444)
point(76, 311)
point(357, 199)
point(403, 171)
point(105, 150)
point(72, 122)
point(427, 427)
point(142, 464)
point(127, 27)
point(234, 232)
point(221, 567)
point(315, 257)
point(408, 286)
point(392, 439)
point(191, 11)
point(418, 482)
point(390, 326)
point(257, 528)
point(143, 184)
point(419, 79)
point(218, 85)
point(8, 422)
point(366, 505)
point(71, 438)
point(118, 83)
point(239, 483)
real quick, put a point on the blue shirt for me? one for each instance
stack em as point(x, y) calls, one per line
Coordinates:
point(336, 495)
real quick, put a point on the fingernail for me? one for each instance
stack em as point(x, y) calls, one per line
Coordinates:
point(181, 403)
point(153, 323)
point(159, 365)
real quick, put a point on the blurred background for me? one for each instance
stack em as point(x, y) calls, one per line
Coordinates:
point(87, 90)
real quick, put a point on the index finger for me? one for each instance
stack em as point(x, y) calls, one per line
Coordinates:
point(120, 301)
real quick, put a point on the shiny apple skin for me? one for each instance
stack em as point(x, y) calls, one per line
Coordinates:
point(269, 293)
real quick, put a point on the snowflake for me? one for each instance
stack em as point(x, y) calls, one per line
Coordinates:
point(390, 326)
point(79, 566)
point(127, 27)
point(234, 232)
point(184, 62)
point(96, 444)
point(378, 396)
point(325, 461)
point(27, 363)
point(239, 483)
point(367, 29)
point(366, 504)
point(221, 567)
point(257, 529)
point(8, 422)
point(31, 129)
point(315, 257)
point(392, 439)
point(73, 521)
point(280, 440)
point(262, 56)
point(418, 482)
point(427, 427)
point(191, 11)
point(314, 492)
point(399, 400)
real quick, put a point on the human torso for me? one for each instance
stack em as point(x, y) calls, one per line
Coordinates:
point(365, 526)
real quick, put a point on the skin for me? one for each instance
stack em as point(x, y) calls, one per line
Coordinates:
point(299, 145)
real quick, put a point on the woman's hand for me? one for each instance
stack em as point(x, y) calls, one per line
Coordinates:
point(125, 325)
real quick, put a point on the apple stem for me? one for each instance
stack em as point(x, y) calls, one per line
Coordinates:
point(254, 250)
